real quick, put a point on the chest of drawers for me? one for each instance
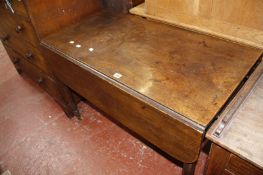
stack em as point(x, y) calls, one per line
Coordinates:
point(18, 36)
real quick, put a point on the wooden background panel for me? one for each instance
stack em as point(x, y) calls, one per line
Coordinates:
point(49, 16)
point(236, 20)
point(241, 12)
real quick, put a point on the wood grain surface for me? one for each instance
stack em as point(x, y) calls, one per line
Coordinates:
point(217, 160)
point(50, 16)
point(236, 20)
point(172, 135)
point(189, 73)
point(221, 161)
point(243, 135)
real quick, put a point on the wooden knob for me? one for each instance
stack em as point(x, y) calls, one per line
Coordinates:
point(29, 55)
point(19, 29)
point(5, 38)
point(40, 80)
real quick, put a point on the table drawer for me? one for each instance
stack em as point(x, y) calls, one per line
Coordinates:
point(17, 7)
point(221, 161)
point(166, 132)
point(238, 166)
point(12, 26)
point(29, 52)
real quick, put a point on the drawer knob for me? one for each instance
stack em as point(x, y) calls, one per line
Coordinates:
point(29, 55)
point(5, 38)
point(16, 61)
point(40, 80)
point(19, 29)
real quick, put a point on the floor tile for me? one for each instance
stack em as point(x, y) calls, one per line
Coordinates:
point(93, 120)
point(54, 149)
point(16, 89)
point(7, 70)
point(15, 129)
point(20, 95)
point(121, 153)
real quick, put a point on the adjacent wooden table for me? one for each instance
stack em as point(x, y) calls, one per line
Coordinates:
point(164, 83)
point(237, 135)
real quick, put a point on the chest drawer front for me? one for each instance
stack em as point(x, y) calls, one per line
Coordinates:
point(45, 82)
point(16, 7)
point(28, 52)
point(14, 57)
point(19, 27)
point(39, 77)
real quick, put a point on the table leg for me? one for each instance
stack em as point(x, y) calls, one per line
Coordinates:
point(69, 106)
point(189, 168)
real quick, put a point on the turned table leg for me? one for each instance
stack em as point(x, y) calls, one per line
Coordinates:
point(189, 168)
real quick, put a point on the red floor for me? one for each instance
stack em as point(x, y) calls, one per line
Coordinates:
point(37, 138)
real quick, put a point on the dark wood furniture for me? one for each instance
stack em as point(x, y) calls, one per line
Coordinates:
point(237, 147)
point(223, 162)
point(164, 83)
point(22, 45)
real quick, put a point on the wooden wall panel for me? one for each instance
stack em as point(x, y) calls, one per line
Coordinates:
point(49, 16)
point(240, 12)
point(236, 20)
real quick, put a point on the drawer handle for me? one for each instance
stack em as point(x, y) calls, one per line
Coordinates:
point(5, 38)
point(29, 55)
point(40, 80)
point(16, 61)
point(19, 29)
